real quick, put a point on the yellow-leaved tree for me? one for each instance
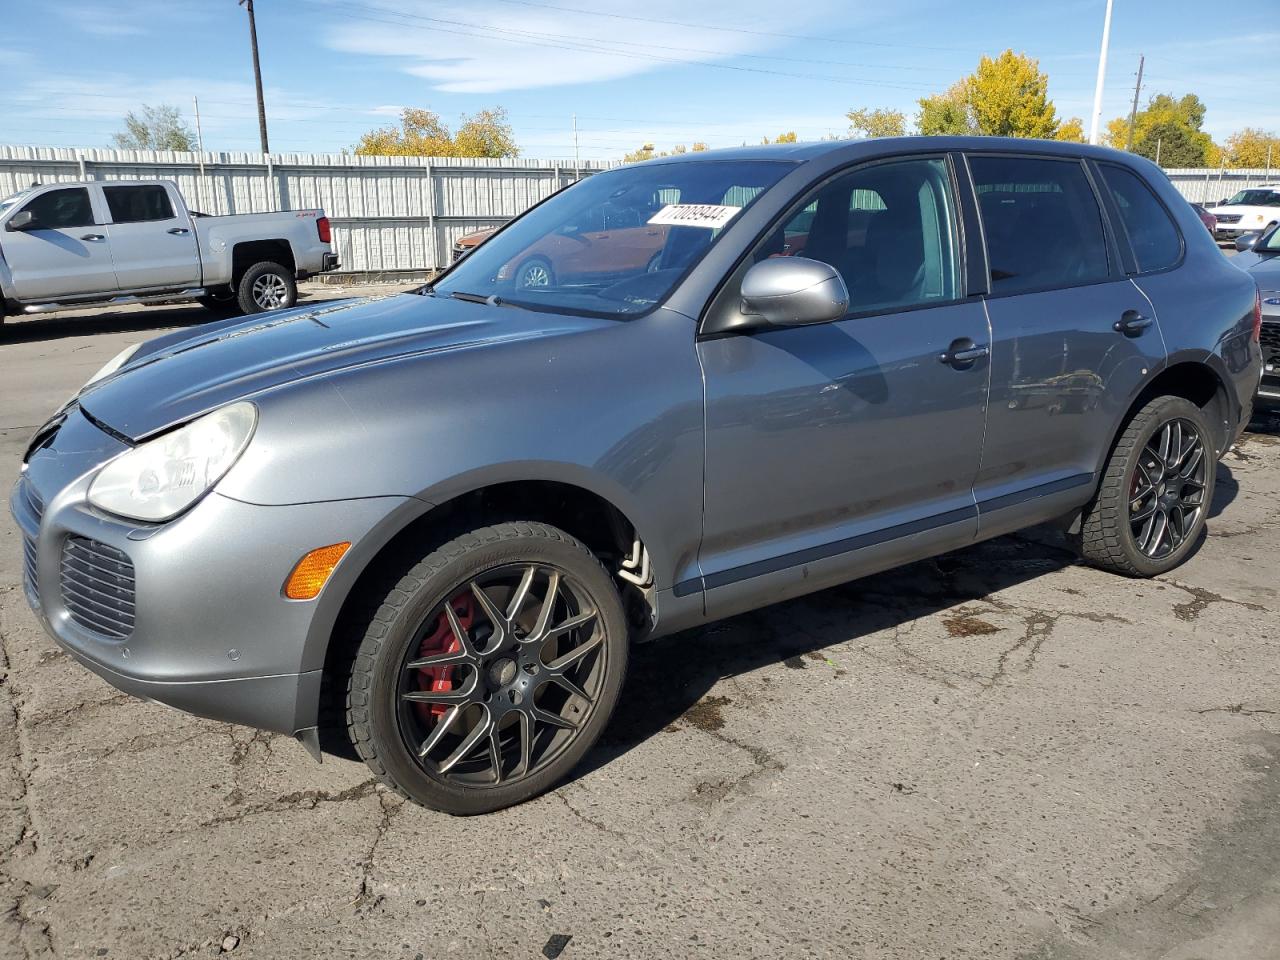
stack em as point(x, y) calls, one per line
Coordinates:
point(1251, 147)
point(1007, 96)
point(877, 123)
point(423, 134)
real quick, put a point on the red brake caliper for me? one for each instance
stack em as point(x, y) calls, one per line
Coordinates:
point(442, 640)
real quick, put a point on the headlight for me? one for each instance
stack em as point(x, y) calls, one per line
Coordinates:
point(161, 478)
point(114, 364)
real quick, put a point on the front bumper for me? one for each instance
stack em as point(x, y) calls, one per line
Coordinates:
point(1268, 395)
point(208, 629)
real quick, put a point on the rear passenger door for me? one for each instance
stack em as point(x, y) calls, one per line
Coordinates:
point(1072, 338)
point(152, 243)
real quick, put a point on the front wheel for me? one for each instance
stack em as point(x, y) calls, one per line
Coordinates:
point(534, 272)
point(488, 669)
point(267, 286)
point(1153, 502)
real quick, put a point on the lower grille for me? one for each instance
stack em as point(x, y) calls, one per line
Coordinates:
point(29, 565)
point(98, 587)
point(1269, 337)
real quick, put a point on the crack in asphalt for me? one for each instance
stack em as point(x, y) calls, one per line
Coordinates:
point(1201, 599)
point(389, 804)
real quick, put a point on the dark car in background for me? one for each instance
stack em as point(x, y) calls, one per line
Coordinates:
point(1208, 219)
point(456, 511)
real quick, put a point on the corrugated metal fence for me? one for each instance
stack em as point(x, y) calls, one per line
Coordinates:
point(1210, 186)
point(388, 213)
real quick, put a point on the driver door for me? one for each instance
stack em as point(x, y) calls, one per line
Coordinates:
point(836, 449)
point(64, 253)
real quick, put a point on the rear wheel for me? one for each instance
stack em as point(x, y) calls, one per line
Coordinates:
point(488, 669)
point(1153, 502)
point(267, 286)
point(534, 272)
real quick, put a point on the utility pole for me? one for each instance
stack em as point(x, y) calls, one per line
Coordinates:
point(195, 103)
point(577, 164)
point(257, 74)
point(1102, 76)
point(1137, 91)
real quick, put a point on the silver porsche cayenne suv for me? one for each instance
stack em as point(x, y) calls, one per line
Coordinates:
point(672, 392)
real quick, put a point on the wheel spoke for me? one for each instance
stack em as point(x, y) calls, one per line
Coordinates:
point(443, 726)
point(495, 751)
point(1145, 512)
point(570, 659)
point(462, 695)
point(459, 632)
point(447, 659)
point(521, 594)
point(1149, 484)
point(563, 681)
point(526, 743)
point(493, 614)
point(552, 719)
point(1192, 462)
point(469, 742)
point(548, 607)
point(1159, 525)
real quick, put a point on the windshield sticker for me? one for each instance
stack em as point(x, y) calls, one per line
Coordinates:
point(709, 215)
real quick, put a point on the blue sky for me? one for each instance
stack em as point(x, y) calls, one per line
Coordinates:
point(664, 71)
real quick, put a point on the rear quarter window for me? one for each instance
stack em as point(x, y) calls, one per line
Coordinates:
point(1153, 235)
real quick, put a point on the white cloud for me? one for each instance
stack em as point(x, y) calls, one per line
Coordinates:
point(488, 45)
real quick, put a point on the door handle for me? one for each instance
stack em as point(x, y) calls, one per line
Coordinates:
point(95, 237)
point(963, 352)
point(1131, 323)
point(179, 231)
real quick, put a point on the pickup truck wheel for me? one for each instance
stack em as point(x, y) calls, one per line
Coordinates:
point(1153, 502)
point(487, 669)
point(267, 286)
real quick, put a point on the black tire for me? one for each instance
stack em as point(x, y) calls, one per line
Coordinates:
point(1107, 539)
point(224, 304)
point(534, 267)
point(267, 286)
point(380, 722)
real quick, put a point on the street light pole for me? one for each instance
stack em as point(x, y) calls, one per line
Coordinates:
point(1102, 76)
point(257, 75)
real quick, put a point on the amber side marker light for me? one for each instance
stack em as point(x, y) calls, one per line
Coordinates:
point(312, 571)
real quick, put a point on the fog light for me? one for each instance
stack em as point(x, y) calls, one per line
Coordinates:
point(312, 571)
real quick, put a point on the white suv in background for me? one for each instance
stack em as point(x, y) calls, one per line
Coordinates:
point(1252, 210)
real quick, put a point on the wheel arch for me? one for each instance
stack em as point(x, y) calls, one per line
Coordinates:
point(244, 255)
point(1194, 379)
point(418, 526)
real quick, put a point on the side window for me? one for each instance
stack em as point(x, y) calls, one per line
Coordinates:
point(1154, 236)
point(889, 230)
point(1042, 223)
point(62, 209)
point(138, 204)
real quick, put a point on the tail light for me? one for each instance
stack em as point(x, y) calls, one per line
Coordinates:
point(322, 228)
point(1257, 317)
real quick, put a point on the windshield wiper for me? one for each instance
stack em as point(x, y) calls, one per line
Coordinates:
point(470, 297)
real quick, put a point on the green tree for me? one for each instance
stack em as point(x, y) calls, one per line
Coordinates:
point(159, 128)
point(423, 134)
point(947, 113)
point(1071, 130)
point(877, 123)
point(1251, 147)
point(1171, 128)
point(1009, 97)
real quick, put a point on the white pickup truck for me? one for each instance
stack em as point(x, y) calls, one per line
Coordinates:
point(73, 245)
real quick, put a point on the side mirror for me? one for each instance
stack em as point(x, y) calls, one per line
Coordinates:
point(1246, 241)
point(791, 291)
point(22, 220)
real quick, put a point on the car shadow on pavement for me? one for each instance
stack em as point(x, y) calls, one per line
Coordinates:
point(57, 326)
point(669, 678)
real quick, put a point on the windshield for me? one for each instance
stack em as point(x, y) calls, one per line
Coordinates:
point(1269, 242)
point(1255, 198)
point(8, 202)
point(614, 244)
